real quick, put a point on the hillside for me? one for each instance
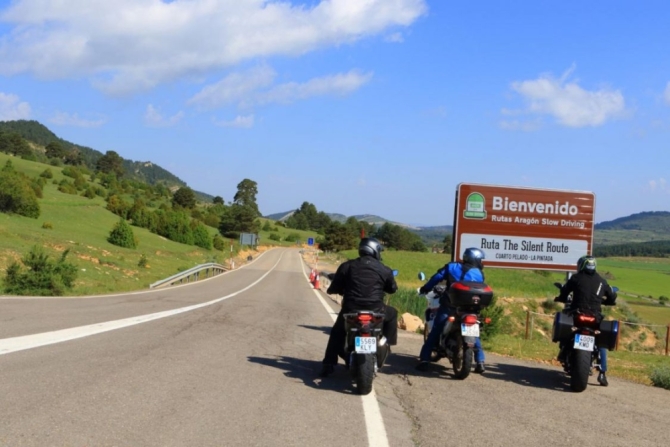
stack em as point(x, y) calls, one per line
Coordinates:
point(145, 172)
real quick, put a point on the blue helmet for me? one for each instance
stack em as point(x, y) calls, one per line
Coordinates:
point(474, 256)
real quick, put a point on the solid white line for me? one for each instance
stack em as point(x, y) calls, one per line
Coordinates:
point(374, 423)
point(14, 344)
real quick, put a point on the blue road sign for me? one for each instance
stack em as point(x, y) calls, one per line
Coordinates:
point(310, 241)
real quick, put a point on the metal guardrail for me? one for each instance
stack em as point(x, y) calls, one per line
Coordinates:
point(191, 275)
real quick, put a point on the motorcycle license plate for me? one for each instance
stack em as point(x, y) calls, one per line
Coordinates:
point(469, 330)
point(366, 345)
point(584, 342)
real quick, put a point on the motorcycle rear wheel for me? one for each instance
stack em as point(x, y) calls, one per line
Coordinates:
point(365, 372)
point(580, 368)
point(463, 360)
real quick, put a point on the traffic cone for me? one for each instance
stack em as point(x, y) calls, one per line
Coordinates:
point(312, 274)
point(316, 282)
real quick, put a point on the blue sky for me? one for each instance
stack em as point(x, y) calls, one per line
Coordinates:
point(358, 106)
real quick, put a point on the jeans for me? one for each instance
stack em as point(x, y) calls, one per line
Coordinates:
point(603, 359)
point(434, 337)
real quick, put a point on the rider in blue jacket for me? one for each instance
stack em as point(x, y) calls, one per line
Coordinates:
point(471, 269)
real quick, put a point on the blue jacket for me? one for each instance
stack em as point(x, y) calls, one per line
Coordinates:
point(451, 273)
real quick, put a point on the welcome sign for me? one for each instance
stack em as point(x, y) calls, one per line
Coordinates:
point(527, 228)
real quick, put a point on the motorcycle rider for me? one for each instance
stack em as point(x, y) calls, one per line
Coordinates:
point(471, 269)
point(362, 283)
point(588, 289)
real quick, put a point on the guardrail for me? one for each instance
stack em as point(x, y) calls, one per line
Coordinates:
point(191, 275)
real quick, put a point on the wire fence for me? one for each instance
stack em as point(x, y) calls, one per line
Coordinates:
point(661, 344)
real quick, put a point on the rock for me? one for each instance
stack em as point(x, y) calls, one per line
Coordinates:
point(410, 322)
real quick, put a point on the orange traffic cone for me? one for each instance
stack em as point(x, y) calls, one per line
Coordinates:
point(316, 282)
point(312, 274)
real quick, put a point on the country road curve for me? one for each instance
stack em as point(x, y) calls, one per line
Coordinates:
point(234, 361)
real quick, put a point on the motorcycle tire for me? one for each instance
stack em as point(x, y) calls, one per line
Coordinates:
point(580, 366)
point(462, 362)
point(365, 373)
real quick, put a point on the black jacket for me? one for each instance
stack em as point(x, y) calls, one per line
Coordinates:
point(588, 290)
point(362, 283)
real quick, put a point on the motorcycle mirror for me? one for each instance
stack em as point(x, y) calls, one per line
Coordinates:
point(615, 289)
point(422, 277)
point(395, 273)
point(331, 276)
point(558, 284)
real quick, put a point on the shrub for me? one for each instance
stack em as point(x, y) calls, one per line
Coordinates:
point(219, 243)
point(17, 195)
point(497, 315)
point(89, 193)
point(122, 235)
point(275, 237)
point(550, 306)
point(43, 277)
point(143, 262)
point(660, 377)
point(47, 173)
point(201, 237)
point(292, 237)
point(47, 226)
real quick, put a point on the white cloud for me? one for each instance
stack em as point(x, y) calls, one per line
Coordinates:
point(12, 108)
point(666, 94)
point(567, 102)
point(660, 185)
point(254, 87)
point(129, 45)
point(154, 118)
point(244, 122)
point(67, 119)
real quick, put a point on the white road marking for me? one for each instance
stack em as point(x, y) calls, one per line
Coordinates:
point(374, 423)
point(14, 344)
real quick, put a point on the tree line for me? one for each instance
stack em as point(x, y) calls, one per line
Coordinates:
point(653, 249)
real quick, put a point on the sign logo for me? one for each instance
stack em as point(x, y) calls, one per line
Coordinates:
point(475, 206)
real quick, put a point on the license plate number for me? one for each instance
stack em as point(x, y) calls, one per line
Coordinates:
point(584, 342)
point(366, 345)
point(469, 330)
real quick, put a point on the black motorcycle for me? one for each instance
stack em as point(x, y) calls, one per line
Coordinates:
point(581, 334)
point(457, 340)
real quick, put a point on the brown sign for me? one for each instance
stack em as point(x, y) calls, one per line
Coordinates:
point(524, 228)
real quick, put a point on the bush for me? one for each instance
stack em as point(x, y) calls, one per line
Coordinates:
point(275, 237)
point(17, 195)
point(143, 262)
point(122, 235)
point(660, 377)
point(219, 243)
point(292, 237)
point(550, 306)
point(497, 315)
point(201, 237)
point(47, 173)
point(43, 277)
point(47, 226)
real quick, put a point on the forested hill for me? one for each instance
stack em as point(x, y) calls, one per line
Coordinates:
point(41, 136)
point(654, 221)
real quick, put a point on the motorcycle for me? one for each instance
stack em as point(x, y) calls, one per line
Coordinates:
point(460, 333)
point(365, 347)
point(581, 334)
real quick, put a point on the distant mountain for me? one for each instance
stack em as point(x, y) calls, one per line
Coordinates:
point(370, 218)
point(656, 221)
point(146, 172)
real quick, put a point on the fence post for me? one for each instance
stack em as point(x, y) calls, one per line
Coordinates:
point(527, 323)
point(618, 334)
point(667, 339)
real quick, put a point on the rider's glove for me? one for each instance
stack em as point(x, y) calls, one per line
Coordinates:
point(423, 291)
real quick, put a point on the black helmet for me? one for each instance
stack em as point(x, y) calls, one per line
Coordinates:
point(586, 264)
point(474, 256)
point(370, 247)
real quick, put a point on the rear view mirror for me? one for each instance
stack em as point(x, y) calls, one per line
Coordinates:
point(558, 284)
point(422, 276)
point(615, 289)
point(395, 273)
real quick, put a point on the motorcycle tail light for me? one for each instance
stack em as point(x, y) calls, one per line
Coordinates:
point(451, 319)
point(365, 318)
point(586, 318)
point(470, 319)
point(487, 320)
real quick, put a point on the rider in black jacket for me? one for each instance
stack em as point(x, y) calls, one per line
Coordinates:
point(589, 292)
point(362, 283)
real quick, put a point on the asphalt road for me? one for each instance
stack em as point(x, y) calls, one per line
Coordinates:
point(234, 361)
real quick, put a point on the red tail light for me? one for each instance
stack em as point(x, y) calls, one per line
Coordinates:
point(487, 320)
point(586, 319)
point(365, 318)
point(470, 319)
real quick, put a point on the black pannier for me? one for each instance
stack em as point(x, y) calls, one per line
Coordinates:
point(562, 329)
point(609, 330)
